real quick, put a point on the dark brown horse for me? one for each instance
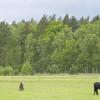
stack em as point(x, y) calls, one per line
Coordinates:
point(21, 86)
point(96, 87)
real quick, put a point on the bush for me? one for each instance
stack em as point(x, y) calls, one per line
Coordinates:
point(1, 70)
point(53, 69)
point(8, 70)
point(73, 69)
point(27, 69)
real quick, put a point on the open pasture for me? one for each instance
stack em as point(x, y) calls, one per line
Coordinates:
point(49, 87)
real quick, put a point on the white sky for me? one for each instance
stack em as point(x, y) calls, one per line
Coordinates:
point(25, 9)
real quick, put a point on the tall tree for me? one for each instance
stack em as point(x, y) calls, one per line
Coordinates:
point(74, 23)
point(96, 18)
point(66, 20)
point(42, 24)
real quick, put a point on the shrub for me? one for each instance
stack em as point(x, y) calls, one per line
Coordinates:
point(53, 69)
point(27, 69)
point(1, 70)
point(8, 70)
point(73, 69)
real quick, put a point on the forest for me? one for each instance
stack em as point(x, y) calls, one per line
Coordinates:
point(50, 45)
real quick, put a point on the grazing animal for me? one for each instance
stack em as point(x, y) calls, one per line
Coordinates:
point(96, 87)
point(21, 86)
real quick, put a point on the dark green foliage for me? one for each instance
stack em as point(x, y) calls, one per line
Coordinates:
point(83, 20)
point(66, 20)
point(53, 69)
point(74, 23)
point(73, 69)
point(1, 70)
point(8, 70)
point(50, 46)
point(96, 18)
point(27, 69)
point(42, 24)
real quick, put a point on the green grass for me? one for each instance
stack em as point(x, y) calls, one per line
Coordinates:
point(49, 87)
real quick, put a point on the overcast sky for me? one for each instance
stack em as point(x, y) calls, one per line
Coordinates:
point(25, 9)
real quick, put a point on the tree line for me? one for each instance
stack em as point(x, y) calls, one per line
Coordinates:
point(51, 45)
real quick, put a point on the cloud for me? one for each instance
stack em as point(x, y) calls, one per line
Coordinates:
point(26, 9)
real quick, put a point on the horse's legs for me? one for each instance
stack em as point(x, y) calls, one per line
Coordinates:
point(96, 91)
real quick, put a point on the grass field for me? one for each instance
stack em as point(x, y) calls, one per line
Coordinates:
point(49, 87)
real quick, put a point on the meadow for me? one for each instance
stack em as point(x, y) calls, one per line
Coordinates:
point(49, 87)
